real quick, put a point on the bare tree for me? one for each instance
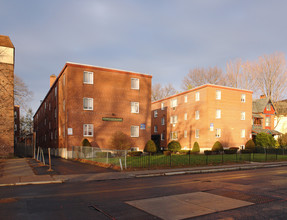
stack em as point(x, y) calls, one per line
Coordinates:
point(159, 92)
point(21, 93)
point(200, 76)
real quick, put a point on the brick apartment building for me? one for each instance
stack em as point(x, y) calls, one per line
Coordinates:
point(16, 124)
point(7, 52)
point(205, 114)
point(93, 102)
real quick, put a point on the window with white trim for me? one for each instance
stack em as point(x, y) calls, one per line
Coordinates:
point(243, 133)
point(135, 107)
point(197, 133)
point(155, 129)
point(218, 94)
point(173, 135)
point(55, 112)
point(135, 83)
point(218, 132)
point(197, 96)
point(185, 99)
point(173, 103)
point(88, 130)
point(267, 121)
point(268, 107)
point(88, 103)
point(155, 114)
point(134, 131)
point(88, 77)
point(162, 136)
point(162, 106)
point(185, 116)
point(185, 133)
point(218, 113)
point(173, 119)
point(242, 115)
point(162, 121)
point(196, 115)
point(15, 127)
point(243, 97)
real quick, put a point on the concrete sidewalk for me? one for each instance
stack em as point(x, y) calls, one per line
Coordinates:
point(18, 172)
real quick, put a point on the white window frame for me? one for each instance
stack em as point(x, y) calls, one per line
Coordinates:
point(87, 129)
point(197, 115)
point(134, 131)
point(218, 132)
point(218, 113)
point(155, 114)
point(185, 99)
point(243, 97)
point(135, 107)
point(268, 123)
point(162, 137)
point(162, 121)
point(173, 135)
point(185, 116)
point(268, 107)
point(155, 129)
point(173, 103)
point(185, 133)
point(243, 133)
point(88, 77)
point(135, 83)
point(196, 133)
point(218, 95)
point(162, 106)
point(88, 103)
point(197, 96)
point(242, 115)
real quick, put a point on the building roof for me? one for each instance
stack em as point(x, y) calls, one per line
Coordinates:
point(281, 107)
point(257, 130)
point(259, 105)
point(201, 87)
point(256, 116)
point(5, 41)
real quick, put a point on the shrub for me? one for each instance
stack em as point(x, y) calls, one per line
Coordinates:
point(282, 140)
point(86, 143)
point(265, 140)
point(208, 152)
point(217, 146)
point(121, 141)
point(195, 148)
point(150, 147)
point(184, 151)
point(135, 153)
point(232, 150)
point(250, 145)
point(103, 154)
point(246, 151)
point(174, 146)
point(166, 153)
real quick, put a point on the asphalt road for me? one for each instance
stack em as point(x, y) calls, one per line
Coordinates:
point(265, 188)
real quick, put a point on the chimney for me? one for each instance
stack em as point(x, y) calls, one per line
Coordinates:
point(262, 96)
point(52, 79)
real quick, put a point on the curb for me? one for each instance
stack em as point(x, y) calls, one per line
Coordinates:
point(32, 183)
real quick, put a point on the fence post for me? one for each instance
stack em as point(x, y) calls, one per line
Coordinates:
point(222, 157)
point(149, 161)
point(121, 164)
point(125, 159)
point(50, 163)
point(170, 160)
point(189, 157)
point(206, 160)
point(276, 152)
point(107, 161)
point(43, 156)
point(236, 156)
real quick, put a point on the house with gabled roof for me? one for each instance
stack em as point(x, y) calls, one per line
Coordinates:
point(280, 120)
point(263, 114)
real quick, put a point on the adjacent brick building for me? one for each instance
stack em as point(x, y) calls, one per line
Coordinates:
point(93, 102)
point(205, 114)
point(7, 52)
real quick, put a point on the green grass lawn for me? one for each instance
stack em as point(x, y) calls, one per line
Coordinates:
point(155, 161)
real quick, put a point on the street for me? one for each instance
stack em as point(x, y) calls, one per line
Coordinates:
point(263, 190)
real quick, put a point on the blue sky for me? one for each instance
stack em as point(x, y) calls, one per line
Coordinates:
point(162, 38)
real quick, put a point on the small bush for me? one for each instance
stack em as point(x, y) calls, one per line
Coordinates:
point(86, 143)
point(208, 152)
point(174, 146)
point(246, 151)
point(250, 145)
point(184, 152)
point(265, 140)
point(150, 147)
point(231, 150)
point(135, 153)
point(121, 141)
point(166, 153)
point(195, 148)
point(217, 146)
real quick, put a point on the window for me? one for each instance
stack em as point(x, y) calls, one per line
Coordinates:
point(217, 132)
point(243, 133)
point(49, 106)
point(243, 97)
point(45, 138)
point(155, 129)
point(197, 96)
point(173, 135)
point(88, 103)
point(268, 107)
point(185, 134)
point(134, 131)
point(196, 115)
point(55, 113)
point(45, 121)
point(218, 113)
point(185, 116)
point(162, 121)
point(15, 127)
point(52, 136)
point(15, 114)
point(55, 134)
point(197, 133)
point(218, 94)
point(162, 106)
point(64, 105)
point(88, 77)
point(267, 121)
point(45, 105)
point(185, 99)
point(242, 115)
point(88, 130)
point(162, 136)
point(49, 125)
point(155, 113)
point(173, 103)
point(135, 83)
point(135, 107)
point(173, 119)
